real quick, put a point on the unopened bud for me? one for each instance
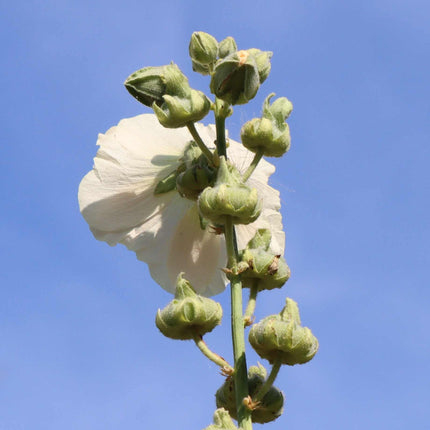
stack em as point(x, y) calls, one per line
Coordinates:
point(263, 268)
point(226, 47)
point(167, 91)
point(203, 48)
point(229, 197)
point(188, 314)
point(236, 78)
point(269, 134)
point(281, 337)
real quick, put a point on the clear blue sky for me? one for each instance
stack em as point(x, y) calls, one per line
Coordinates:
point(78, 345)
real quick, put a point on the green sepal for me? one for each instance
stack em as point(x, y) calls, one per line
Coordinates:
point(166, 184)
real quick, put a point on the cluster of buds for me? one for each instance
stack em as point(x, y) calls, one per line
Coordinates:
point(188, 315)
point(281, 337)
point(260, 266)
point(236, 75)
point(267, 409)
point(166, 90)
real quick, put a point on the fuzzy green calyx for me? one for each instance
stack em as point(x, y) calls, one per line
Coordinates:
point(266, 269)
point(238, 76)
point(166, 90)
point(229, 197)
point(203, 50)
point(222, 421)
point(269, 134)
point(188, 314)
point(281, 337)
point(270, 406)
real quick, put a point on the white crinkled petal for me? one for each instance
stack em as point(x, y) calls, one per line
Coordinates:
point(117, 200)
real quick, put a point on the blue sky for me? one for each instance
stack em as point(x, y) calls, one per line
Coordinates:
point(79, 349)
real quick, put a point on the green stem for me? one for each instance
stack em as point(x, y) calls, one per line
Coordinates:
point(217, 359)
point(257, 157)
point(220, 136)
point(250, 308)
point(238, 334)
point(191, 127)
point(268, 382)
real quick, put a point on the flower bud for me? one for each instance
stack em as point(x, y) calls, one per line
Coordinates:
point(177, 111)
point(203, 48)
point(229, 197)
point(270, 133)
point(270, 406)
point(222, 421)
point(281, 337)
point(150, 84)
point(236, 78)
point(263, 268)
point(167, 91)
point(226, 47)
point(147, 85)
point(188, 314)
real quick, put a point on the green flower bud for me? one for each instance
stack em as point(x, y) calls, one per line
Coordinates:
point(222, 421)
point(167, 91)
point(226, 47)
point(150, 84)
point(203, 48)
point(270, 133)
point(262, 268)
point(229, 197)
point(188, 314)
point(236, 78)
point(281, 337)
point(177, 112)
point(270, 406)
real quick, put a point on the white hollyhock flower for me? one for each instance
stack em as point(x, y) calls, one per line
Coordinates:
point(117, 200)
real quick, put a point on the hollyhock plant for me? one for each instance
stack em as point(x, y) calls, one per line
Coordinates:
point(198, 209)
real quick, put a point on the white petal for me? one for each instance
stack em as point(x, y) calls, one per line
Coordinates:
point(182, 246)
point(118, 202)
